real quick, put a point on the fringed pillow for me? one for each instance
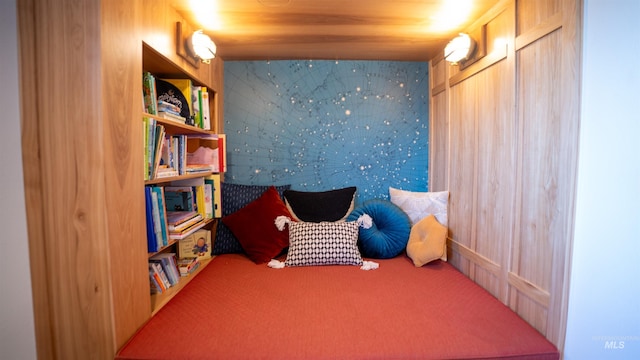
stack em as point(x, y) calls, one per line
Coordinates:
point(324, 243)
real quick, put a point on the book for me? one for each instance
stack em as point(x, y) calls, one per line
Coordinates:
point(157, 229)
point(152, 244)
point(180, 227)
point(203, 152)
point(222, 152)
point(187, 266)
point(162, 215)
point(149, 93)
point(196, 100)
point(206, 116)
point(171, 116)
point(208, 199)
point(145, 131)
point(188, 231)
point(214, 180)
point(149, 146)
point(158, 144)
point(168, 263)
point(164, 172)
point(179, 217)
point(156, 267)
point(179, 198)
point(155, 282)
point(196, 245)
point(196, 185)
point(177, 91)
point(168, 107)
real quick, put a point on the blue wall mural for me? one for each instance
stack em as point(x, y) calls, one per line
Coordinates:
point(321, 125)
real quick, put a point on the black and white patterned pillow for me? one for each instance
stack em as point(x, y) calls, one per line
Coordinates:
point(324, 243)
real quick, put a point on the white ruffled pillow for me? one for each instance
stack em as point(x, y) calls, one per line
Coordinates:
point(419, 205)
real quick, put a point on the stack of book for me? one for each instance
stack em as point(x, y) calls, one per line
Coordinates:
point(163, 272)
point(188, 265)
point(183, 223)
point(170, 111)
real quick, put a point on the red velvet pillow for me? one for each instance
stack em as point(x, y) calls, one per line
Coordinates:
point(254, 226)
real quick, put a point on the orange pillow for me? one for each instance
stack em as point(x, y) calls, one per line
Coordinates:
point(427, 241)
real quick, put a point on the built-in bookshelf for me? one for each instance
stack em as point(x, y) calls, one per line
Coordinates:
point(160, 67)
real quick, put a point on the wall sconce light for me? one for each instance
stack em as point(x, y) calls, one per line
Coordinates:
point(459, 49)
point(195, 48)
point(201, 46)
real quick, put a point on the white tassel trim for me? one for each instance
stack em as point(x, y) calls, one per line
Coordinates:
point(281, 221)
point(369, 265)
point(276, 264)
point(365, 221)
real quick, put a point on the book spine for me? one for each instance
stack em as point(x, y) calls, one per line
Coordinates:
point(217, 195)
point(154, 284)
point(208, 199)
point(151, 135)
point(222, 152)
point(157, 149)
point(178, 228)
point(152, 245)
point(158, 268)
point(163, 214)
point(157, 228)
point(200, 201)
point(145, 131)
point(206, 116)
point(149, 93)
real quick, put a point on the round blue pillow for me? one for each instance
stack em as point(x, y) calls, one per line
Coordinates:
point(389, 233)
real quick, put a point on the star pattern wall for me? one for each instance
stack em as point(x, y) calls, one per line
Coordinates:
point(321, 125)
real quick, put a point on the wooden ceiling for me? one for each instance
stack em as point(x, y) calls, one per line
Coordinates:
point(403, 30)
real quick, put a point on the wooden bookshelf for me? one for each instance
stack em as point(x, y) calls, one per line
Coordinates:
point(162, 67)
point(160, 300)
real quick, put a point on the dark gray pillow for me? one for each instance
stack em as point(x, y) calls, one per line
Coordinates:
point(317, 206)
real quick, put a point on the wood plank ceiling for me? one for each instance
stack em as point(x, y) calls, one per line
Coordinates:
point(403, 30)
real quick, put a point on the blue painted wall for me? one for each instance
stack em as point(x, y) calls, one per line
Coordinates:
point(321, 125)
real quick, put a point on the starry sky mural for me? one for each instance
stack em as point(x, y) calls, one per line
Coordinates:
point(322, 125)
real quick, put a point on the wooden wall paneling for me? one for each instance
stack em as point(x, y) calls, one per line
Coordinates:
point(542, 204)
point(495, 156)
point(438, 127)
point(34, 196)
point(496, 168)
point(572, 12)
point(515, 113)
point(531, 13)
point(439, 134)
point(462, 122)
point(73, 260)
point(121, 88)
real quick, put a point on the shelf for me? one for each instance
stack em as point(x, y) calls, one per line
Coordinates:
point(175, 127)
point(155, 62)
point(160, 300)
point(162, 249)
point(169, 179)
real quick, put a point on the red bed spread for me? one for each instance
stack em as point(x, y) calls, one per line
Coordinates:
point(235, 309)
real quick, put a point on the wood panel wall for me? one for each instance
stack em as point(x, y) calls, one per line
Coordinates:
point(81, 96)
point(504, 139)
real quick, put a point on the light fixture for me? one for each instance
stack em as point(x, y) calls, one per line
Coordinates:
point(201, 46)
point(459, 49)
